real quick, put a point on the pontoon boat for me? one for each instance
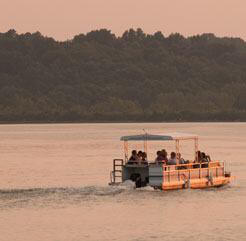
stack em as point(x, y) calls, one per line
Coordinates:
point(193, 174)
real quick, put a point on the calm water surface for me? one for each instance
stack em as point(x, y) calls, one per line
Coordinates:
point(53, 186)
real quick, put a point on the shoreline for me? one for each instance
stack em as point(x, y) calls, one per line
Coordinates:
point(112, 122)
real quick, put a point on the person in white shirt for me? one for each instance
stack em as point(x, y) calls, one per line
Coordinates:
point(172, 160)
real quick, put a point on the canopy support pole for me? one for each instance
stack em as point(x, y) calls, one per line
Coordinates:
point(177, 148)
point(196, 149)
point(145, 145)
point(126, 150)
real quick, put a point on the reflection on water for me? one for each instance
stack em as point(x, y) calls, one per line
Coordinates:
point(53, 186)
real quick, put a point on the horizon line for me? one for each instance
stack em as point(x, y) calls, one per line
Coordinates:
point(186, 36)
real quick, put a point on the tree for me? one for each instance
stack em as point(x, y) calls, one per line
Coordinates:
point(136, 77)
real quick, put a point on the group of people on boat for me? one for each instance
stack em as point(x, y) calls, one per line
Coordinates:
point(140, 157)
point(203, 159)
point(162, 158)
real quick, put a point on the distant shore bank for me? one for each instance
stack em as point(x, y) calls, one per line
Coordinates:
point(138, 77)
point(113, 122)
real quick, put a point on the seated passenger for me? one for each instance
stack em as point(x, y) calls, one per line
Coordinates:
point(164, 155)
point(144, 158)
point(134, 157)
point(140, 155)
point(203, 157)
point(172, 160)
point(181, 161)
point(204, 160)
point(198, 159)
point(159, 159)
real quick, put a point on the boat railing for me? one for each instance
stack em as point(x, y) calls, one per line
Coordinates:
point(193, 170)
point(195, 164)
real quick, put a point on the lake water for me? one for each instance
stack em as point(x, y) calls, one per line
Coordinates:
point(54, 186)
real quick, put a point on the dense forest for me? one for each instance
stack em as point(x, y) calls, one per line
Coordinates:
point(97, 77)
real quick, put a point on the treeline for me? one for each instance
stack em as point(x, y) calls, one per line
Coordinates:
point(135, 77)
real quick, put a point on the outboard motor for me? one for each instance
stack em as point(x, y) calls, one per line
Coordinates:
point(136, 177)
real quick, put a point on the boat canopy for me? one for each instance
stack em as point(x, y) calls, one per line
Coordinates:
point(159, 137)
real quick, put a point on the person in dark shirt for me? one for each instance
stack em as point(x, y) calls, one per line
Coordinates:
point(140, 155)
point(204, 160)
point(164, 155)
point(160, 159)
point(134, 157)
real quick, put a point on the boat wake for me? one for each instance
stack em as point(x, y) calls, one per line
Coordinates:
point(62, 196)
point(10, 198)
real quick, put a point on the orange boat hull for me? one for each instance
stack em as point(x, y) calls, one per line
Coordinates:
point(198, 183)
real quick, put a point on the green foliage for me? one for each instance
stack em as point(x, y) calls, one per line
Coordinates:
point(136, 77)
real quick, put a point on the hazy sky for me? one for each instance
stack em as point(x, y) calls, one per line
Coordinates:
point(62, 19)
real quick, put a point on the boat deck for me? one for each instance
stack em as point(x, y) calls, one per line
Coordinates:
point(167, 177)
